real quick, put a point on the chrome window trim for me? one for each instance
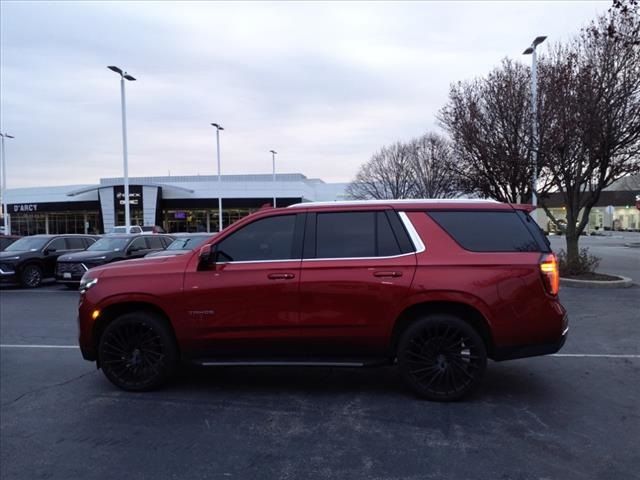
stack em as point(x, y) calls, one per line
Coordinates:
point(418, 245)
point(413, 234)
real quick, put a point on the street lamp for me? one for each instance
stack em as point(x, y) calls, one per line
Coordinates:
point(124, 76)
point(534, 113)
point(218, 128)
point(273, 160)
point(3, 182)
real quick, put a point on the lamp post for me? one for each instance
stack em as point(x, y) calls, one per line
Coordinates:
point(218, 128)
point(124, 76)
point(273, 161)
point(534, 113)
point(3, 181)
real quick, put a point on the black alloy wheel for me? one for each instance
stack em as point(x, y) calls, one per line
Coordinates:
point(137, 352)
point(31, 276)
point(441, 357)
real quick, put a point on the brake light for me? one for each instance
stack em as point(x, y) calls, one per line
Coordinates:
point(550, 273)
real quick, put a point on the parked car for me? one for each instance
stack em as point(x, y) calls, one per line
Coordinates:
point(110, 248)
point(433, 287)
point(6, 240)
point(152, 229)
point(120, 230)
point(30, 260)
point(182, 244)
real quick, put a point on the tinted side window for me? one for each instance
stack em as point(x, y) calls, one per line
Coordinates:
point(75, 243)
point(345, 234)
point(138, 244)
point(155, 243)
point(487, 231)
point(266, 239)
point(57, 245)
point(387, 244)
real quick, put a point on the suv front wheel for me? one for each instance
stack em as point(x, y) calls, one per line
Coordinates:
point(137, 352)
point(441, 357)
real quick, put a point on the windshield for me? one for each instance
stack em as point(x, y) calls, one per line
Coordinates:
point(28, 244)
point(109, 244)
point(187, 243)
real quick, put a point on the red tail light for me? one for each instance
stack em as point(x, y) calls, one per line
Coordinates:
point(550, 273)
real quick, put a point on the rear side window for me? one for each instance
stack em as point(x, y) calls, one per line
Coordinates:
point(355, 235)
point(155, 243)
point(480, 231)
point(75, 243)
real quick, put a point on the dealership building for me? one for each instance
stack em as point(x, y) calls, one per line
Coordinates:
point(176, 203)
point(190, 203)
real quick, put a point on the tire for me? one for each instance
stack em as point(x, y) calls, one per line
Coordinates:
point(31, 276)
point(137, 352)
point(441, 357)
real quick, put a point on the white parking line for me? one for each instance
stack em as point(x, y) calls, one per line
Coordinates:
point(39, 346)
point(596, 355)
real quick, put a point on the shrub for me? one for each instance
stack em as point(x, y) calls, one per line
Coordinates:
point(585, 263)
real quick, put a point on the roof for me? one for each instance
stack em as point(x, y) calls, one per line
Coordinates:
point(416, 202)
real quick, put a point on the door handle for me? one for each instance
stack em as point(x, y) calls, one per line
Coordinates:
point(387, 274)
point(280, 276)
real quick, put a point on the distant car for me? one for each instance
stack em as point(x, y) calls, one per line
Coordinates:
point(182, 244)
point(152, 229)
point(111, 248)
point(132, 229)
point(30, 260)
point(6, 240)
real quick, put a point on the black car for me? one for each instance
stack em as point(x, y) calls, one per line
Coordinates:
point(183, 243)
point(110, 248)
point(30, 260)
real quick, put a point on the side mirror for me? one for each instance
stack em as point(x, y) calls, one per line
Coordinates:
point(49, 250)
point(205, 253)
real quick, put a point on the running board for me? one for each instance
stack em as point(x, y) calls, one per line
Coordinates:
point(292, 363)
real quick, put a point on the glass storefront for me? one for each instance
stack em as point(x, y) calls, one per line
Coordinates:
point(201, 220)
point(55, 223)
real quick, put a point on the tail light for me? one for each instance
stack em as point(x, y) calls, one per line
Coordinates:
point(550, 273)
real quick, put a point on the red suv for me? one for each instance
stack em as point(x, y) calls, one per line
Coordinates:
point(433, 286)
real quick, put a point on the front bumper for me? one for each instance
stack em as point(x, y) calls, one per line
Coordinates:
point(535, 350)
point(8, 274)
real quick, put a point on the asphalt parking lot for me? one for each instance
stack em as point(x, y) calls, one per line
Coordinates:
point(574, 416)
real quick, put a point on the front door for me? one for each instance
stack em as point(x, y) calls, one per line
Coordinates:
point(245, 302)
point(353, 277)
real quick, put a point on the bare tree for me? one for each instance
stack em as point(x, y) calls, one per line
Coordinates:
point(387, 175)
point(489, 122)
point(589, 119)
point(432, 165)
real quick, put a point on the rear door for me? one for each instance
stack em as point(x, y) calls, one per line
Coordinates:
point(51, 252)
point(357, 268)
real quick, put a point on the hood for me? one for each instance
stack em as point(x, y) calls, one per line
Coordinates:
point(136, 264)
point(166, 253)
point(87, 255)
point(5, 254)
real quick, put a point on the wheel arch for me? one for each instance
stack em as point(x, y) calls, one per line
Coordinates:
point(114, 310)
point(464, 311)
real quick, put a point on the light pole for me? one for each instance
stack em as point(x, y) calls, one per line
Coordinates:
point(124, 76)
point(3, 180)
point(218, 128)
point(273, 160)
point(534, 113)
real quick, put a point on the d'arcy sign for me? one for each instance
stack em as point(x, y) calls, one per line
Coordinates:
point(25, 207)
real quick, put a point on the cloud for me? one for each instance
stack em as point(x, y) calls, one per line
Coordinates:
point(325, 84)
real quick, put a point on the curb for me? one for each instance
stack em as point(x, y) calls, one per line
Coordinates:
point(624, 282)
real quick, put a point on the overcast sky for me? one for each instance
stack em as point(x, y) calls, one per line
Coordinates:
point(324, 84)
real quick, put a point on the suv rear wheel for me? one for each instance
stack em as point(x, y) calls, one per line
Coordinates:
point(137, 352)
point(441, 357)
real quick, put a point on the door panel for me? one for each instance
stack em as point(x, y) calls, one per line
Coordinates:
point(247, 302)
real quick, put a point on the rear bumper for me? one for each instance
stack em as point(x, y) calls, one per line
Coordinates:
point(535, 350)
